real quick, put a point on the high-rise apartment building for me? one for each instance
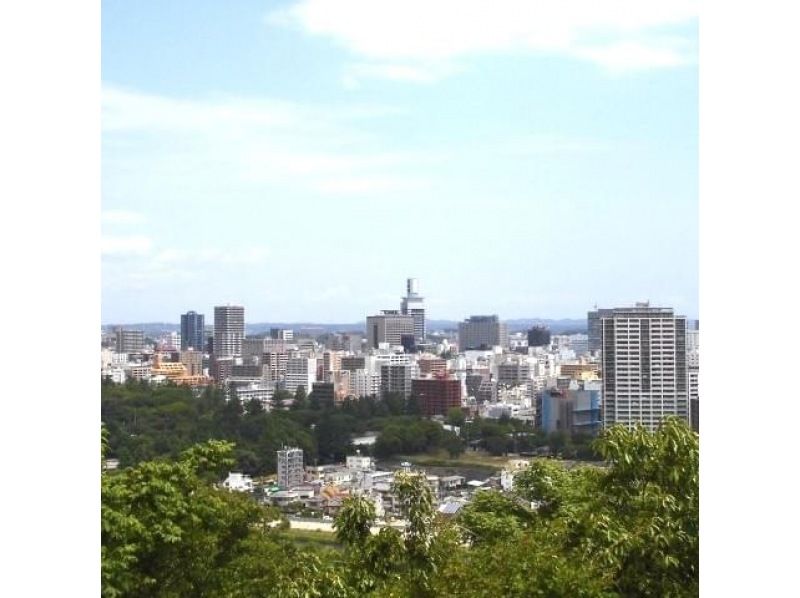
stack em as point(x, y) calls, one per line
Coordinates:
point(594, 328)
point(389, 327)
point(413, 304)
point(129, 341)
point(644, 366)
point(228, 330)
point(482, 332)
point(290, 468)
point(300, 371)
point(693, 360)
point(193, 331)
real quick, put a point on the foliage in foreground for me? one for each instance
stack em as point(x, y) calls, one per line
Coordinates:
point(630, 529)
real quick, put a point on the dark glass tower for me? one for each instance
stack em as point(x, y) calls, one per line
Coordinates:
point(193, 331)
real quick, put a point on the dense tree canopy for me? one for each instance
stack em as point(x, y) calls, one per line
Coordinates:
point(628, 528)
point(144, 422)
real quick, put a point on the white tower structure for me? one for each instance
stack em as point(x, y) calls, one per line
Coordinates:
point(413, 304)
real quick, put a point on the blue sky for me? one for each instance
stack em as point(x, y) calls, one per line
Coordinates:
point(529, 159)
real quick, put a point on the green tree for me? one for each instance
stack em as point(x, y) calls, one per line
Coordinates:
point(453, 444)
point(166, 531)
point(456, 417)
point(280, 398)
point(492, 516)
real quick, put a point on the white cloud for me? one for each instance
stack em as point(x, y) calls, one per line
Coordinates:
point(420, 41)
point(543, 144)
point(121, 217)
point(212, 256)
point(413, 73)
point(251, 141)
point(125, 245)
point(144, 267)
point(238, 143)
point(631, 56)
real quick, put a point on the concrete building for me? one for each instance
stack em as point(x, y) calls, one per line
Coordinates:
point(282, 334)
point(192, 359)
point(353, 362)
point(238, 482)
point(221, 368)
point(429, 366)
point(300, 371)
point(360, 462)
point(694, 390)
point(253, 348)
point(644, 366)
point(437, 395)
point(193, 331)
point(413, 304)
point(396, 378)
point(290, 468)
point(389, 327)
point(538, 336)
point(228, 330)
point(482, 333)
point(114, 373)
point(364, 383)
point(331, 363)
point(579, 343)
point(258, 391)
point(513, 372)
point(580, 371)
point(594, 328)
point(572, 410)
point(129, 341)
point(324, 392)
point(276, 364)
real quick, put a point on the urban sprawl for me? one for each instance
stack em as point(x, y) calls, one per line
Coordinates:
point(633, 366)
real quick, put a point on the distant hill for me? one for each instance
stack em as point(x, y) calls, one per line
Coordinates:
point(519, 324)
point(555, 326)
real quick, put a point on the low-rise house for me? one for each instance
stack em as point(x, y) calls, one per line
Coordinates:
point(238, 482)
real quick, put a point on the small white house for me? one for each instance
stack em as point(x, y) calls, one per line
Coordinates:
point(238, 482)
point(360, 462)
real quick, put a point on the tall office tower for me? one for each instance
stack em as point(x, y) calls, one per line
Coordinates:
point(129, 341)
point(290, 468)
point(644, 366)
point(482, 332)
point(228, 330)
point(193, 331)
point(413, 304)
point(388, 327)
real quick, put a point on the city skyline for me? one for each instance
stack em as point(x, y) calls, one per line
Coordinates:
point(455, 319)
point(304, 163)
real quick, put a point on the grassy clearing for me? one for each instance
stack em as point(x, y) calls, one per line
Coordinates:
point(467, 459)
point(312, 538)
